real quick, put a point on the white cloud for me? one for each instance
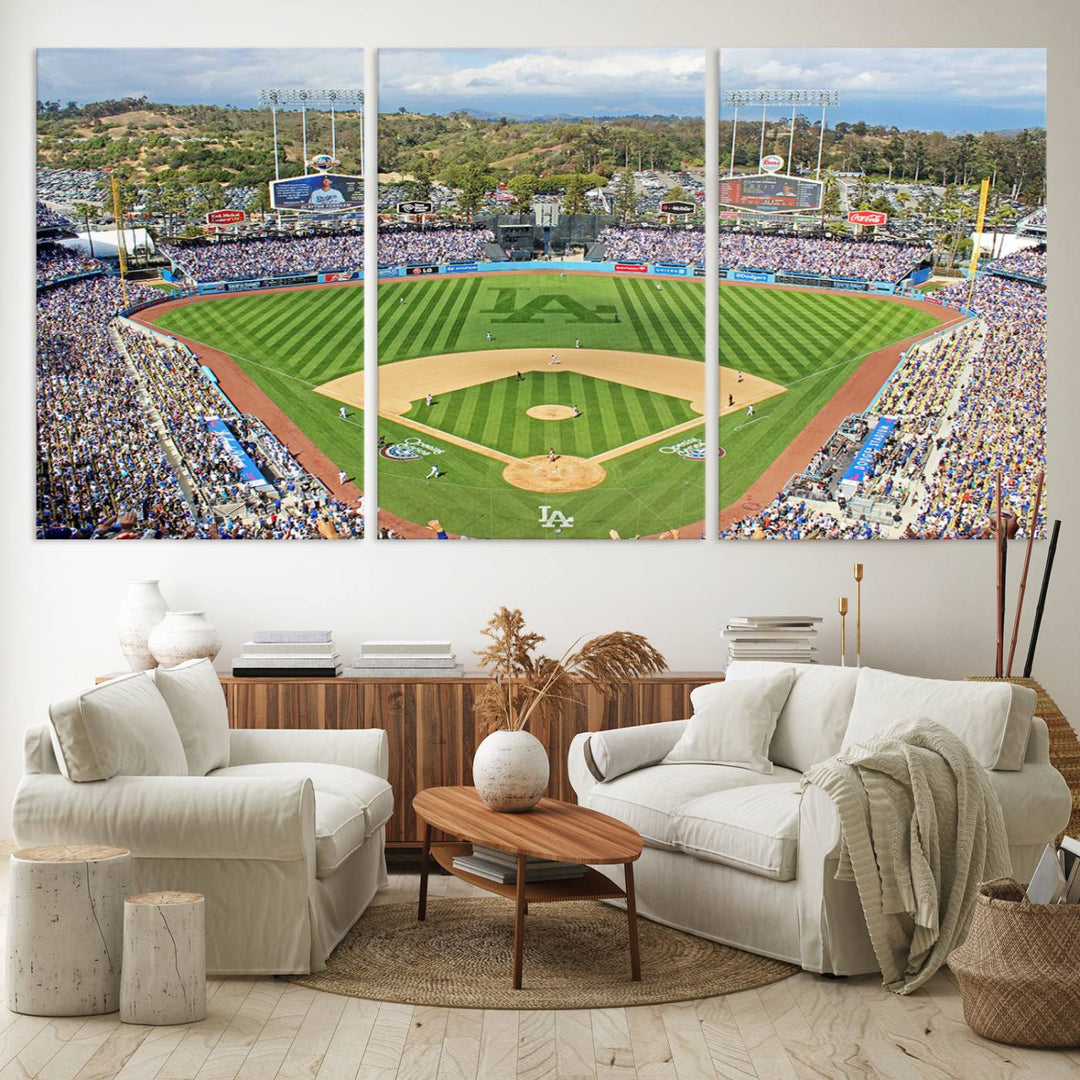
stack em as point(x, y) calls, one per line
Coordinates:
point(540, 73)
point(1001, 76)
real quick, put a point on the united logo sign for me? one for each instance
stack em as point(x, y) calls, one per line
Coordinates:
point(692, 449)
point(411, 449)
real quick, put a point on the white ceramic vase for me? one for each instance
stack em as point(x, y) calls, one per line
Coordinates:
point(510, 771)
point(143, 607)
point(184, 635)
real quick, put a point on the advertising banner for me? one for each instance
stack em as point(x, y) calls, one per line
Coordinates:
point(419, 271)
point(750, 275)
point(631, 268)
point(867, 217)
point(225, 217)
point(323, 192)
point(462, 268)
point(249, 472)
point(864, 459)
point(670, 269)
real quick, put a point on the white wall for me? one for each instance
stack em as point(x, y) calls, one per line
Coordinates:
point(928, 606)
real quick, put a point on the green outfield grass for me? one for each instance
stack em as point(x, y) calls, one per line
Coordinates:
point(494, 414)
point(291, 342)
point(428, 316)
point(808, 342)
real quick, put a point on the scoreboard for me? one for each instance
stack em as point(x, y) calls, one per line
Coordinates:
point(771, 193)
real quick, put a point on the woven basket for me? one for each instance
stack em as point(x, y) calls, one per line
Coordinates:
point(1019, 969)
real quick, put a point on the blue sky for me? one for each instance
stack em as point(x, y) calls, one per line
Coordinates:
point(950, 89)
point(932, 89)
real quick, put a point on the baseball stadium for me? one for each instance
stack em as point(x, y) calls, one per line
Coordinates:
point(541, 337)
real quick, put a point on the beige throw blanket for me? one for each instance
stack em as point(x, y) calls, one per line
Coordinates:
point(921, 829)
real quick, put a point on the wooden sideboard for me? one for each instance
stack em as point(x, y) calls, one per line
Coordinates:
point(431, 725)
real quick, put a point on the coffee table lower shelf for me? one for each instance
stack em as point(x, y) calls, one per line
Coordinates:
point(591, 886)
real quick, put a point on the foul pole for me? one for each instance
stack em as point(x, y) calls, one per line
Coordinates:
point(114, 183)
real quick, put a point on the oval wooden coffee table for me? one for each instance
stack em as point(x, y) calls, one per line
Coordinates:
point(553, 830)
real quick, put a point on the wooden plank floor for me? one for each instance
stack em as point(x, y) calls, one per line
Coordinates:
point(805, 1028)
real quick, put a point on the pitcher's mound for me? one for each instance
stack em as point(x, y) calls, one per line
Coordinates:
point(563, 474)
point(550, 412)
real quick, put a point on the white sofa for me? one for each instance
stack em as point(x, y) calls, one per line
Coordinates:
point(282, 831)
point(745, 858)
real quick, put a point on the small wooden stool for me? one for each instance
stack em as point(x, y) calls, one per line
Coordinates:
point(164, 980)
point(65, 929)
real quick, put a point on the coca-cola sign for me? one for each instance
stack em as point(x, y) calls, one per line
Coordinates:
point(867, 217)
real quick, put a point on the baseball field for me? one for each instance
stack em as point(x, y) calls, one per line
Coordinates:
point(622, 353)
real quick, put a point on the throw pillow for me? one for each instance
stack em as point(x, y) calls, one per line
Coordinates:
point(120, 728)
point(193, 693)
point(733, 722)
point(992, 719)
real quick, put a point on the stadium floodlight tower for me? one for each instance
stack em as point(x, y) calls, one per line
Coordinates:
point(734, 99)
point(275, 98)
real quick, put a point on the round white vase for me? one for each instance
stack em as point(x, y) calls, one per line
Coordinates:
point(184, 635)
point(510, 771)
point(142, 608)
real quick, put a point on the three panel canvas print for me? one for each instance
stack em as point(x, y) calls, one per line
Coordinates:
point(542, 294)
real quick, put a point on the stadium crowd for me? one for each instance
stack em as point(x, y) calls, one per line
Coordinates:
point(220, 260)
point(971, 403)
point(47, 218)
point(103, 472)
point(999, 421)
point(436, 244)
point(1030, 263)
point(638, 244)
point(55, 262)
point(830, 258)
point(1037, 220)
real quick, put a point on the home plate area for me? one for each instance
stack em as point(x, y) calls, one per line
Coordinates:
point(417, 394)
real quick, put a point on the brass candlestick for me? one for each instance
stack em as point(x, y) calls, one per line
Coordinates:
point(858, 614)
point(841, 606)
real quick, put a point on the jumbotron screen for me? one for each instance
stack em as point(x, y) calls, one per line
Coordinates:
point(319, 191)
point(771, 193)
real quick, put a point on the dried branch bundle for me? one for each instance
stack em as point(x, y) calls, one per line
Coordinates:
point(525, 685)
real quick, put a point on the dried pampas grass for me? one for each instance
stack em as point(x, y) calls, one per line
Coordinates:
point(525, 685)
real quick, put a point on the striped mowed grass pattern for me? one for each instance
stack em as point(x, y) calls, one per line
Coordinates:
point(495, 414)
point(808, 342)
point(432, 316)
point(288, 343)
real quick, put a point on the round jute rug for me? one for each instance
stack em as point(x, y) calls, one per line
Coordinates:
point(576, 957)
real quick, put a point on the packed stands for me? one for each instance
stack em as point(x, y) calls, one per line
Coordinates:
point(55, 262)
point(123, 447)
point(870, 261)
point(433, 244)
point(643, 244)
point(47, 218)
point(1029, 263)
point(222, 260)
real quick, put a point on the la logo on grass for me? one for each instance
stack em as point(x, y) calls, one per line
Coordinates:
point(554, 519)
point(556, 303)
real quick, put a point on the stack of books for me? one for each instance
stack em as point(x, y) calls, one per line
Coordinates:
point(501, 866)
point(291, 653)
point(405, 660)
point(1057, 877)
point(787, 639)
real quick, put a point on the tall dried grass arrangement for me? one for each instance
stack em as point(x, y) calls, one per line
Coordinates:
point(526, 684)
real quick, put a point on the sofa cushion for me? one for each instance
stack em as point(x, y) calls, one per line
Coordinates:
point(366, 792)
point(733, 722)
point(193, 693)
point(751, 828)
point(811, 725)
point(992, 719)
point(120, 728)
point(340, 828)
point(654, 800)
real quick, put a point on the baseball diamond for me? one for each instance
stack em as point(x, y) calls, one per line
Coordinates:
point(631, 459)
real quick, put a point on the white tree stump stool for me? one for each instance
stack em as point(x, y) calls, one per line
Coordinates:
point(65, 929)
point(164, 979)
